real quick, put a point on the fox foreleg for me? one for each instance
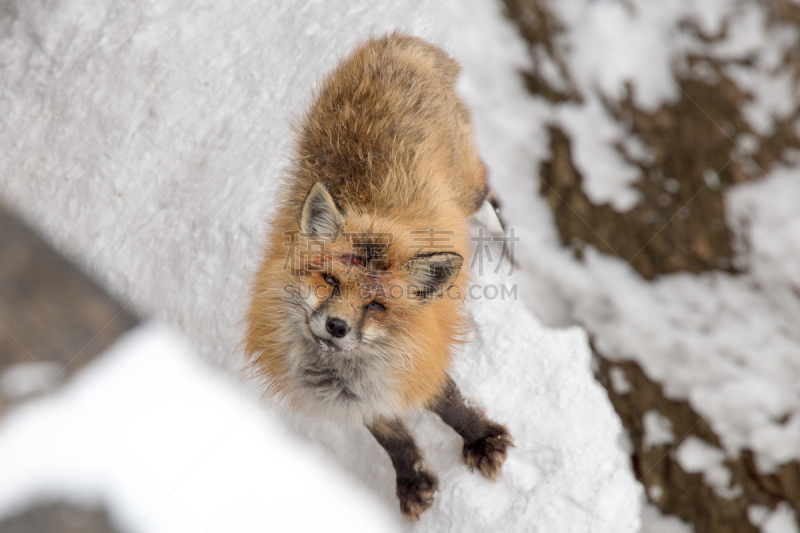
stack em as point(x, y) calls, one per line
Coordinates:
point(485, 442)
point(415, 484)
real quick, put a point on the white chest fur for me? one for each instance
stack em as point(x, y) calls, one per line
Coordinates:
point(343, 386)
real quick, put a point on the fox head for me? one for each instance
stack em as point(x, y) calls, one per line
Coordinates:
point(356, 280)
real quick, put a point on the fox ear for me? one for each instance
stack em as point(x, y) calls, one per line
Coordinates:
point(320, 217)
point(432, 274)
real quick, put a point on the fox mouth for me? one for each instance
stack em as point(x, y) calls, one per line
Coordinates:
point(324, 344)
point(328, 345)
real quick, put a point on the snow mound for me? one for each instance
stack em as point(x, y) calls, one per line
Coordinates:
point(168, 446)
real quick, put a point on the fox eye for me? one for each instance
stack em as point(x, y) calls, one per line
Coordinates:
point(375, 306)
point(330, 280)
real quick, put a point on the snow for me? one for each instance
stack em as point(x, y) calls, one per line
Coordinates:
point(697, 456)
point(609, 175)
point(146, 139)
point(655, 522)
point(168, 445)
point(781, 520)
point(619, 382)
point(657, 430)
point(727, 344)
point(610, 45)
point(27, 379)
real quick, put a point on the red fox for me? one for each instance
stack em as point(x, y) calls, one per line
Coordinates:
point(359, 300)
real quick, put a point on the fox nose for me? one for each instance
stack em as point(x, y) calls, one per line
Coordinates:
point(337, 327)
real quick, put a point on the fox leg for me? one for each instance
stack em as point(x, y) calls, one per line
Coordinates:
point(415, 484)
point(485, 441)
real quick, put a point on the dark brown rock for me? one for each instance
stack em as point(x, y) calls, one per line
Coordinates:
point(59, 517)
point(50, 313)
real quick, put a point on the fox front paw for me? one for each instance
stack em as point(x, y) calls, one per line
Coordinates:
point(488, 453)
point(416, 494)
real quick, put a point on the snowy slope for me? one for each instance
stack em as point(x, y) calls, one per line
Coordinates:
point(727, 344)
point(146, 142)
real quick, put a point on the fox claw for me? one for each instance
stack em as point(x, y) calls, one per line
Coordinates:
point(416, 494)
point(488, 453)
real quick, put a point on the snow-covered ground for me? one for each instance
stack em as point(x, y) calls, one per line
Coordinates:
point(145, 140)
point(728, 344)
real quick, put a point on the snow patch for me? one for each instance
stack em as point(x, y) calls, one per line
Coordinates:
point(657, 430)
point(781, 520)
point(619, 382)
point(26, 379)
point(653, 521)
point(607, 176)
point(697, 456)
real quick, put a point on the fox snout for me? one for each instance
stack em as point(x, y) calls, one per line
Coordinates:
point(337, 327)
point(333, 332)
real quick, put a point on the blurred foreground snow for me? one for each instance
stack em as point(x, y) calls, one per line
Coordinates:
point(169, 446)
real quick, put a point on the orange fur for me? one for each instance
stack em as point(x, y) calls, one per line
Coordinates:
point(389, 138)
